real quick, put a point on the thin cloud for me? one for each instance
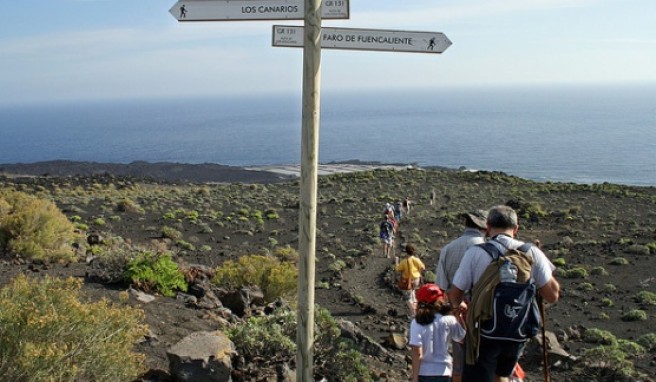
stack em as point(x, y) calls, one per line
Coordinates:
point(463, 10)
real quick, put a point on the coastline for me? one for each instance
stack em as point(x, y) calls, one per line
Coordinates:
point(184, 172)
point(176, 172)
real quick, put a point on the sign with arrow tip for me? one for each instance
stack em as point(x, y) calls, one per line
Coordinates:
point(243, 10)
point(365, 39)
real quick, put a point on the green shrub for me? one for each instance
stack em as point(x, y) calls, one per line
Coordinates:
point(586, 286)
point(286, 253)
point(171, 233)
point(610, 288)
point(156, 272)
point(607, 302)
point(646, 297)
point(635, 315)
point(619, 261)
point(574, 273)
point(185, 245)
point(47, 334)
point(648, 341)
point(337, 265)
point(35, 229)
point(599, 336)
point(559, 262)
point(637, 249)
point(272, 215)
point(610, 359)
point(599, 271)
point(275, 278)
point(633, 349)
point(129, 205)
point(262, 338)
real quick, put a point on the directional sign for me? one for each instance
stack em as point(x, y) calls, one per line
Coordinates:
point(240, 10)
point(365, 39)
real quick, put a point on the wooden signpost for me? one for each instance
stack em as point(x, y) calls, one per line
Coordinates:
point(311, 37)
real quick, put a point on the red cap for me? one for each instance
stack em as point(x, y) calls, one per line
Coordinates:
point(429, 293)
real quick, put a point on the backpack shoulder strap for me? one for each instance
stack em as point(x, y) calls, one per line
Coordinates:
point(524, 247)
point(491, 250)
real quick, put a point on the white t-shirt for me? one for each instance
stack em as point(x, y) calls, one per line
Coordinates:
point(434, 340)
point(476, 260)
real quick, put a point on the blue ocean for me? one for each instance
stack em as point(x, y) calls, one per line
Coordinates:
point(584, 134)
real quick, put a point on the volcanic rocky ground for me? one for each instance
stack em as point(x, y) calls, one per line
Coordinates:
point(587, 227)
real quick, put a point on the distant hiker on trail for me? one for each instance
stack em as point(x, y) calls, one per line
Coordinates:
point(387, 236)
point(447, 265)
point(398, 212)
point(410, 269)
point(431, 331)
point(406, 205)
point(489, 359)
point(432, 198)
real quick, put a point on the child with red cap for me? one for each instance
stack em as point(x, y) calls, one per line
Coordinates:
point(430, 333)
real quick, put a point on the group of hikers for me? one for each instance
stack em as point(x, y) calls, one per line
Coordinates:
point(389, 227)
point(472, 324)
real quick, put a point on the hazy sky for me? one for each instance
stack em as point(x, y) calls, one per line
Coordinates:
point(87, 49)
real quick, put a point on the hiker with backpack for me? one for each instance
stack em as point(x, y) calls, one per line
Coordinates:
point(431, 331)
point(502, 316)
point(386, 235)
point(410, 270)
point(448, 263)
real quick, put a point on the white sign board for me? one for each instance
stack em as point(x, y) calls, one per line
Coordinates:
point(365, 39)
point(241, 10)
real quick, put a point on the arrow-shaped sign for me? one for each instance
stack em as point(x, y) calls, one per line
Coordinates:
point(365, 39)
point(241, 10)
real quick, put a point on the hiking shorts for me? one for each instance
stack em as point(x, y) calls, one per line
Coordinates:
point(434, 378)
point(495, 357)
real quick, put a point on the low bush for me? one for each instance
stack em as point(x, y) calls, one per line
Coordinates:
point(574, 273)
point(599, 271)
point(646, 297)
point(156, 273)
point(35, 228)
point(609, 359)
point(599, 336)
point(648, 341)
point(559, 262)
point(47, 334)
point(635, 315)
point(276, 278)
point(171, 233)
point(335, 358)
point(619, 261)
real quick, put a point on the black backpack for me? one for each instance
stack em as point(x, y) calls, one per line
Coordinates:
point(386, 229)
point(515, 312)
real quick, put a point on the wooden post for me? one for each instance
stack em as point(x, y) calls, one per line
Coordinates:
point(308, 197)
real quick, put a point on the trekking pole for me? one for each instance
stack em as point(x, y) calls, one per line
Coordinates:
point(545, 359)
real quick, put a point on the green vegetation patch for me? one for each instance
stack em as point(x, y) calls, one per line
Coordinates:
point(156, 273)
point(646, 297)
point(47, 334)
point(35, 228)
point(276, 278)
point(266, 337)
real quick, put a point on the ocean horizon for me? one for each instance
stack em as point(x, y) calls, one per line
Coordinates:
point(580, 134)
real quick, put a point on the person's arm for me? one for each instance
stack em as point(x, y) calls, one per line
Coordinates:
point(455, 296)
point(550, 291)
point(416, 362)
point(440, 271)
